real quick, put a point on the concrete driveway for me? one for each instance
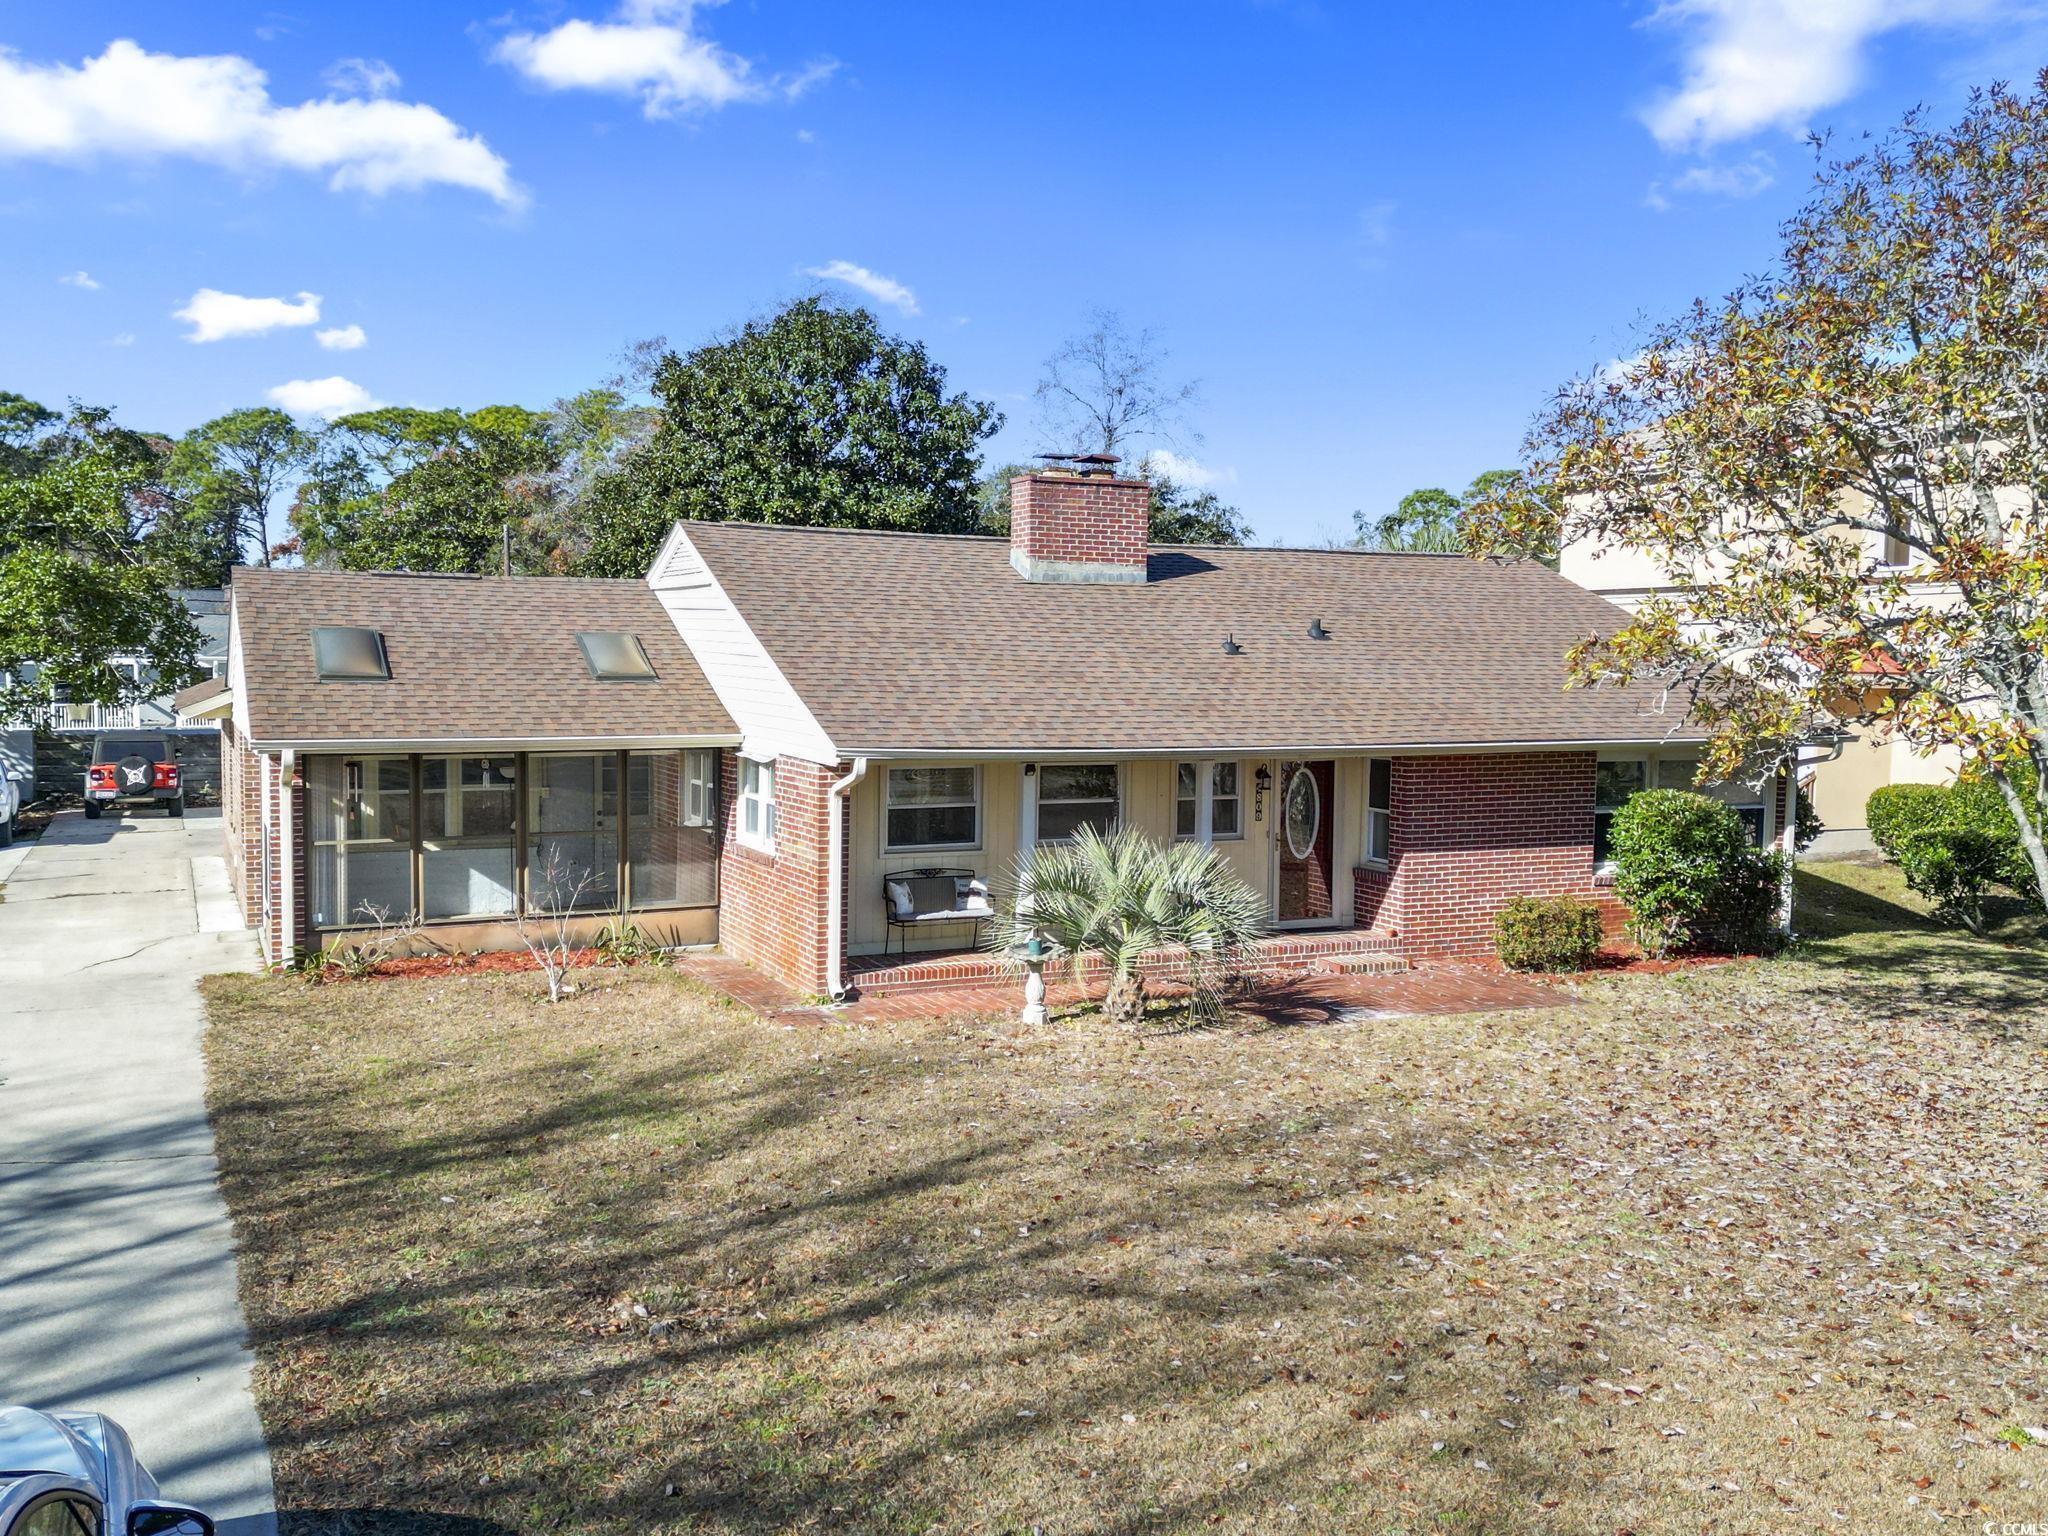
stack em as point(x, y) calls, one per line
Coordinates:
point(117, 1268)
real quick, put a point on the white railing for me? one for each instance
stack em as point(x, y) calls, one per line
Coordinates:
point(152, 714)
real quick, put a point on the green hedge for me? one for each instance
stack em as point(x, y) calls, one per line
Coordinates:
point(1555, 933)
point(1952, 842)
point(1897, 810)
point(1685, 868)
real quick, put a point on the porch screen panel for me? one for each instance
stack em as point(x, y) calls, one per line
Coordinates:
point(572, 856)
point(359, 820)
point(671, 822)
point(466, 835)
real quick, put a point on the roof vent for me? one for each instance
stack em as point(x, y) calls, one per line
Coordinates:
point(347, 653)
point(614, 656)
point(1231, 647)
point(1316, 630)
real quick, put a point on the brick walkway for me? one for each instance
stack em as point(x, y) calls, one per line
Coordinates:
point(1442, 987)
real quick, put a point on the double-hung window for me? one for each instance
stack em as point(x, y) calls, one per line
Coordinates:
point(1615, 782)
point(1226, 804)
point(932, 808)
point(757, 804)
point(1379, 810)
point(1076, 795)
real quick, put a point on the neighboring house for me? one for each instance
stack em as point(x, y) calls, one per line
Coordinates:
point(1838, 780)
point(792, 718)
point(68, 727)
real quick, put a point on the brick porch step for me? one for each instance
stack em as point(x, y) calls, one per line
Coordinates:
point(1352, 951)
point(1373, 963)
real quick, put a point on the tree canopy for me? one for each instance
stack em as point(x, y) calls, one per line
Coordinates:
point(1841, 467)
point(811, 415)
point(1430, 520)
point(84, 577)
point(431, 490)
point(226, 475)
point(1106, 391)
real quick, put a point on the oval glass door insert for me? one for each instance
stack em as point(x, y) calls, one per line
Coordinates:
point(1303, 814)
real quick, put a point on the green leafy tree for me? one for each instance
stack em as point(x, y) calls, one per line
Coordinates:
point(1430, 520)
point(82, 578)
point(430, 491)
point(812, 415)
point(226, 476)
point(1841, 468)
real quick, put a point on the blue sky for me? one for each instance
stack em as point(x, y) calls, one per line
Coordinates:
point(1377, 235)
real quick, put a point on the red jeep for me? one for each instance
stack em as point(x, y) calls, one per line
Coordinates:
point(131, 768)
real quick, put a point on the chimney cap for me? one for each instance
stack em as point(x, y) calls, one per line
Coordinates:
point(1083, 463)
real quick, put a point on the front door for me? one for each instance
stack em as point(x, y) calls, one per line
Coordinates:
point(1308, 803)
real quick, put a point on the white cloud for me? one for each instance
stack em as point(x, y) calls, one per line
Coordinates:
point(121, 339)
point(1183, 470)
point(360, 77)
point(215, 316)
point(134, 104)
point(1756, 64)
point(326, 398)
point(1744, 178)
point(649, 49)
point(80, 279)
point(343, 338)
point(883, 290)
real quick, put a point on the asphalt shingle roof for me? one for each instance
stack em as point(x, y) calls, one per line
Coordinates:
point(907, 642)
point(472, 659)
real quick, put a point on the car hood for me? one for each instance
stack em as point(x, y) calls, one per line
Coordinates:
point(65, 1444)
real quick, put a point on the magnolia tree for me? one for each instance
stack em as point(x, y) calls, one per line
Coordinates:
point(1841, 468)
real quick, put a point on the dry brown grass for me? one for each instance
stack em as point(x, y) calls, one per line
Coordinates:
point(1756, 1248)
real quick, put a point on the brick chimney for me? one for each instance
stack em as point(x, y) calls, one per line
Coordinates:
point(1079, 521)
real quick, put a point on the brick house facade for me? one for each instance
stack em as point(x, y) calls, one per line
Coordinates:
point(915, 695)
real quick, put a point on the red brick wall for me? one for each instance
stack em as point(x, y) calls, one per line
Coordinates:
point(1470, 832)
point(772, 906)
point(1090, 518)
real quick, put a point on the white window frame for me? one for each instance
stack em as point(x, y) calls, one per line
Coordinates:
point(1647, 762)
point(1205, 800)
point(1038, 801)
point(757, 799)
point(1754, 797)
point(1384, 815)
point(700, 787)
point(973, 845)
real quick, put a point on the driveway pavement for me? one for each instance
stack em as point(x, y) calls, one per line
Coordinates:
point(117, 1270)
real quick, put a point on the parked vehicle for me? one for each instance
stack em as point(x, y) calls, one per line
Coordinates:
point(10, 808)
point(133, 767)
point(76, 1474)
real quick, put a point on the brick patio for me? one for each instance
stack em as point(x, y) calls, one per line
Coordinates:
point(1442, 987)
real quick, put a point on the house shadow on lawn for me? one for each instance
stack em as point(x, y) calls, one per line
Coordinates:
point(1885, 959)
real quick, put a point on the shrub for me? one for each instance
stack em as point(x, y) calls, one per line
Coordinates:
point(1898, 809)
point(1951, 842)
point(1555, 933)
point(1951, 863)
point(1689, 875)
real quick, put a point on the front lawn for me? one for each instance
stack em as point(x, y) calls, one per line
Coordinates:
point(1755, 1247)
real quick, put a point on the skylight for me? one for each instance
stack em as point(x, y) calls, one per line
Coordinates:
point(347, 654)
point(615, 656)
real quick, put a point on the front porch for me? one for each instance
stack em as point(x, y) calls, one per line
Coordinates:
point(1351, 951)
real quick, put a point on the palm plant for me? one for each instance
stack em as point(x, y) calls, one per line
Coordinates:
point(1123, 895)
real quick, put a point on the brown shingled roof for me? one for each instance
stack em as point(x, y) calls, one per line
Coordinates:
point(906, 643)
point(206, 688)
point(472, 659)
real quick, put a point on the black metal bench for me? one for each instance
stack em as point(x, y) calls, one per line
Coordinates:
point(934, 896)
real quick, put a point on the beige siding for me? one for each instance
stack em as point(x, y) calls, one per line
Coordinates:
point(1148, 803)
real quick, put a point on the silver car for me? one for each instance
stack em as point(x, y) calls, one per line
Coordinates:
point(75, 1474)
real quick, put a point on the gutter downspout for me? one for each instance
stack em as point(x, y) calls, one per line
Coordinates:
point(835, 880)
point(287, 769)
